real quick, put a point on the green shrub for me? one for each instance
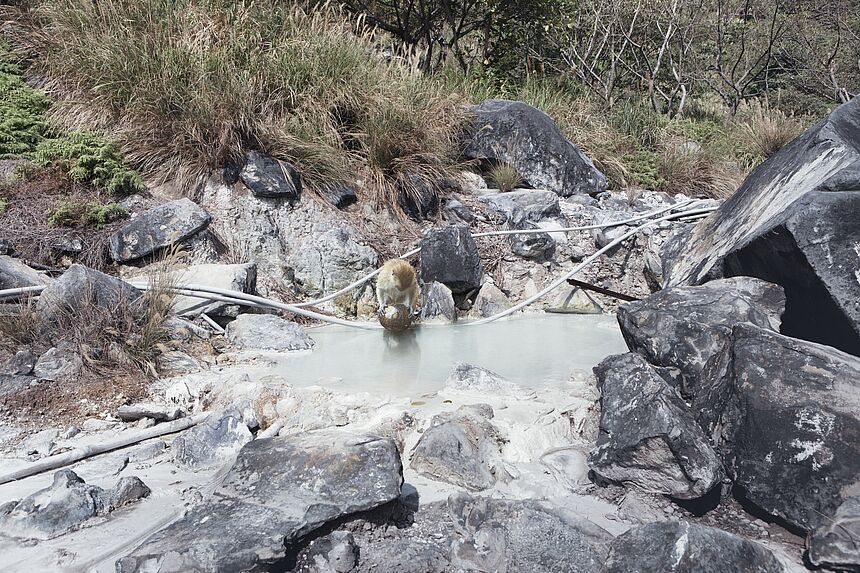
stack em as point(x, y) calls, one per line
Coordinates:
point(88, 214)
point(638, 121)
point(22, 117)
point(88, 158)
point(643, 169)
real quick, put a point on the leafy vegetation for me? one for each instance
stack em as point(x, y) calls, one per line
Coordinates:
point(88, 214)
point(22, 111)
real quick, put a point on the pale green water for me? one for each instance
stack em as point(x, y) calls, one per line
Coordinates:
point(534, 350)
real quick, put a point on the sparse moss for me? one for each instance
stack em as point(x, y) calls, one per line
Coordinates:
point(89, 214)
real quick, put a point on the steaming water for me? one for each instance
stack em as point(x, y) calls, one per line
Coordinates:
point(536, 350)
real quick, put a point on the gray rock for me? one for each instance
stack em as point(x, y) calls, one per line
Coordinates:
point(15, 274)
point(329, 259)
point(78, 290)
point(788, 424)
point(525, 205)
point(12, 383)
point(278, 490)
point(175, 362)
point(339, 195)
point(21, 364)
point(418, 196)
point(237, 277)
point(214, 441)
point(438, 304)
point(158, 412)
point(584, 200)
point(489, 301)
point(265, 176)
point(455, 212)
point(468, 380)
point(333, 553)
point(533, 246)
point(527, 139)
point(182, 329)
point(146, 452)
point(267, 332)
point(834, 545)
point(461, 448)
point(159, 227)
point(65, 505)
point(6, 247)
point(683, 547)
point(449, 256)
point(794, 222)
point(58, 363)
point(40, 444)
point(406, 556)
point(685, 327)
point(648, 436)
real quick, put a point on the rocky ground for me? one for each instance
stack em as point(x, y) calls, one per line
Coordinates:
point(725, 440)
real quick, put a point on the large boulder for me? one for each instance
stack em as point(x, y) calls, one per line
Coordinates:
point(449, 256)
point(683, 547)
point(648, 436)
point(514, 132)
point(265, 176)
point(278, 490)
point(65, 505)
point(794, 222)
point(157, 228)
point(15, 274)
point(267, 332)
point(527, 204)
point(685, 327)
point(329, 259)
point(836, 544)
point(786, 413)
point(237, 277)
point(80, 289)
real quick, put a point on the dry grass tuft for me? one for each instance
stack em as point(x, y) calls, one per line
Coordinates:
point(763, 131)
point(697, 174)
point(505, 177)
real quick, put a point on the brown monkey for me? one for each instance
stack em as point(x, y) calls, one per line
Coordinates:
point(397, 284)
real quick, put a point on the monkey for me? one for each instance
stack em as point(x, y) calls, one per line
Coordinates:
point(397, 284)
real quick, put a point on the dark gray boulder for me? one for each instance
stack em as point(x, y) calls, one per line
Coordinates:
point(15, 274)
point(793, 222)
point(21, 364)
point(683, 547)
point(214, 441)
point(525, 205)
point(341, 195)
point(538, 247)
point(685, 327)
point(455, 212)
point(157, 228)
point(278, 490)
point(267, 332)
point(449, 256)
point(836, 544)
point(65, 505)
point(57, 363)
point(265, 176)
point(461, 448)
point(788, 424)
point(648, 436)
point(78, 290)
point(526, 138)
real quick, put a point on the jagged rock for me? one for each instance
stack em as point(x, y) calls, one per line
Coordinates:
point(786, 413)
point(328, 260)
point(648, 436)
point(468, 380)
point(527, 139)
point(525, 205)
point(683, 547)
point(333, 553)
point(15, 274)
point(438, 304)
point(455, 212)
point(238, 277)
point(265, 176)
point(489, 301)
point(181, 329)
point(12, 383)
point(406, 556)
point(461, 448)
point(79, 289)
point(834, 545)
point(21, 364)
point(794, 222)
point(685, 327)
point(157, 228)
point(58, 363)
point(65, 505)
point(214, 441)
point(175, 362)
point(267, 332)
point(6, 248)
point(158, 412)
point(449, 256)
point(278, 490)
point(533, 246)
point(574, 300)
point(341, 195)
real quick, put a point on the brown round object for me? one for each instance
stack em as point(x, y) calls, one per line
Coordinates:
point(396, 318)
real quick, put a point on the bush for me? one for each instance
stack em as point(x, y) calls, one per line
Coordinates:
point(642, 167)
point(22, 109)
point(762, 131)
point(89, 214)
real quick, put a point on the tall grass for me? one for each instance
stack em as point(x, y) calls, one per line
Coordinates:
point(186, 86)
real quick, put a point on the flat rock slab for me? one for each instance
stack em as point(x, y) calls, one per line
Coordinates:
point(648, 435)
point(267, 332)
point(836, 544)
point(520, 135)
point(265, 176)
point(278, 490)
point(158, 412)
point(683, 547)
point(685, 327)
point(526, 205)
point(791, 420)
point(157, 228)
point(450, 256)
point(65, 505)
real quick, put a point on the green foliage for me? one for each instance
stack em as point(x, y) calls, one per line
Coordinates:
point(635, 119)
point(643, 169)
point(22, 119)
point(88, 158)
point(88, 214)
